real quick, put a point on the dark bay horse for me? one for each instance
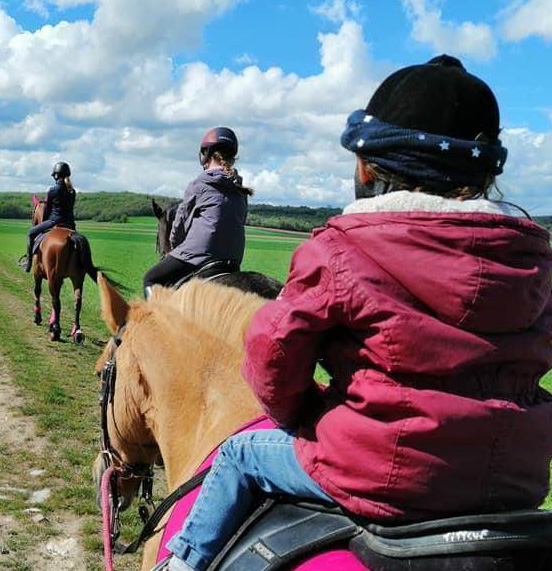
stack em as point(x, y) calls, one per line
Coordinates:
point(63, 253)
point(249, 281)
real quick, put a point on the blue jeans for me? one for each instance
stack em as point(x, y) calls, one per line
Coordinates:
point(246, 463)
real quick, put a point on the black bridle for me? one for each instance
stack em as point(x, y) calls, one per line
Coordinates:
point(112, 457)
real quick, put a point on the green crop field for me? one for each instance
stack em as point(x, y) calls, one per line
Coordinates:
point(56, 390)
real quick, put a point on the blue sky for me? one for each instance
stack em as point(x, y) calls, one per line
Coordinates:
point(123, 89)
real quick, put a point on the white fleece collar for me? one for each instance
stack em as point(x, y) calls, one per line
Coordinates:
point(406, 201)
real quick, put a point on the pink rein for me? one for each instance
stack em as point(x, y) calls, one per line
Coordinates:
point(106, 517)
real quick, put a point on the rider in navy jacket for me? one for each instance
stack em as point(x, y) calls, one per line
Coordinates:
point(59, 208)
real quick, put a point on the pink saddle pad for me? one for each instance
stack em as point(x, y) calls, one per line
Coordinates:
point(330, 560)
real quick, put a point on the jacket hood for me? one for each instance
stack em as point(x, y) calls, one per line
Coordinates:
point(472, 264)
point(217, 177)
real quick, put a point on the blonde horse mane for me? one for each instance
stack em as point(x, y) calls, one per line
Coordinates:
point(221, 311)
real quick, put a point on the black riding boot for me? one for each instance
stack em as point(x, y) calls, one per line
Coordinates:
point(29, 254)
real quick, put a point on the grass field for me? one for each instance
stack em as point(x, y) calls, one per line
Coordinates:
point(58, 390)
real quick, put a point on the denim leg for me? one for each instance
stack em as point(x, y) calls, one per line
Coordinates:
point(247, 462)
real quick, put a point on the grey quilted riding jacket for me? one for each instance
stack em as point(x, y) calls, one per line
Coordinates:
point(209, 223)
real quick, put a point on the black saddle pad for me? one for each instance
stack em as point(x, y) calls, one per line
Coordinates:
point(210, 271)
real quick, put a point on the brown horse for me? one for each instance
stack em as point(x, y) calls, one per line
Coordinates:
point(186, 396)
point(62, 254)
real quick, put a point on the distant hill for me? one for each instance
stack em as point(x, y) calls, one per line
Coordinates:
point(118, 206)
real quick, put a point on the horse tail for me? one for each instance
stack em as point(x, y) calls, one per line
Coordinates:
point(85, 255)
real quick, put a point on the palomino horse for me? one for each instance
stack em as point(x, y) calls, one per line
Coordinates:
point(184, 397)
point(250, 281)
point(62, 254)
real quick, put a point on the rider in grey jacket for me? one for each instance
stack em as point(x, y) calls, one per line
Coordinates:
point(209, 223)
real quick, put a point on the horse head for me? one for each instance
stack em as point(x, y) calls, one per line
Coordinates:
point(127, 442)
point(165, 216)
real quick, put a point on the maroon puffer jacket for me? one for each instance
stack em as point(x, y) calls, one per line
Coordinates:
point(436, 328)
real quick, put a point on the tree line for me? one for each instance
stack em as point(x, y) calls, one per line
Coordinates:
point(118, 206)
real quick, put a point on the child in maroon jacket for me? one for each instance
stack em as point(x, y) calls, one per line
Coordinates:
point(429, 304)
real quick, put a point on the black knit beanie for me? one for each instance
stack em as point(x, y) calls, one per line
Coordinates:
point(438, 97)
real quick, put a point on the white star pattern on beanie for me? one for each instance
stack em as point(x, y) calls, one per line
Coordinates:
point(444, 145)
point(475, 152)
point(368, 118)
point(360, 143)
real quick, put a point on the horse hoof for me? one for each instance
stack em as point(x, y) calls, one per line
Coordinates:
point(55, 333)
point(38, 319)
point(78, 337)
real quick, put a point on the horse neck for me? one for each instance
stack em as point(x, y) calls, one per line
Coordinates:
point(197, 396)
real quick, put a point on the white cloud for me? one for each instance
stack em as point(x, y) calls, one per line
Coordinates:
point(527, 177)
point(468, 38)
point(37, 6)
point(531, 18)
point(338, 11)
point(245, 59)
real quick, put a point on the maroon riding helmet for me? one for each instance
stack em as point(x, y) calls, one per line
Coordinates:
point(218, 139)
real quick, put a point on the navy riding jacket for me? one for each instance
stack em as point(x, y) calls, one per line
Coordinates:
point(60, 203)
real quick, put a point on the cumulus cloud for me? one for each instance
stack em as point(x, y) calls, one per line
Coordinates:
point(467, 38)
point(532, 18)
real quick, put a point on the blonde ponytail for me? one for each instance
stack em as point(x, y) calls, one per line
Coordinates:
point(227, 163)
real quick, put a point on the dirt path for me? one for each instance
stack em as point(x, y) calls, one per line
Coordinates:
point(30, 539)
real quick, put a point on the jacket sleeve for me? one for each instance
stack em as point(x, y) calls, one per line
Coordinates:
point(184, 211)
point(283, 339)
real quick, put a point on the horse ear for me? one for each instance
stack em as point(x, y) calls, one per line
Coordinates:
point(35, 200)
point(114, 307)
point(157, 210)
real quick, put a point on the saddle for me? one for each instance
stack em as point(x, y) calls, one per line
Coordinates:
point(210, 271)
point(38, 240)
point(282, 530)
